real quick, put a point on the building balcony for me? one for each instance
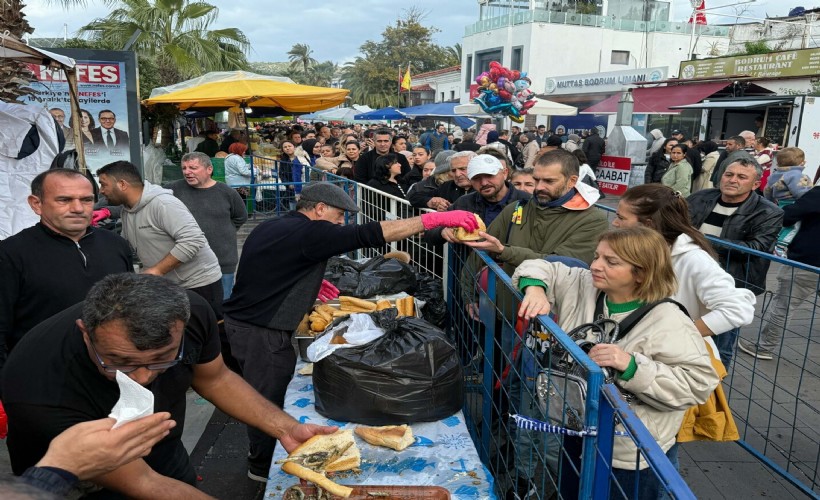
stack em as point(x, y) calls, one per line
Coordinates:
point(591, 20)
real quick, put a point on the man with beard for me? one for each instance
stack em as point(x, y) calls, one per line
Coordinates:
point(491, 193)
point(560, 219)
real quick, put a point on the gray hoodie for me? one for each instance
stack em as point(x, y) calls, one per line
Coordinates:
point(160, 224)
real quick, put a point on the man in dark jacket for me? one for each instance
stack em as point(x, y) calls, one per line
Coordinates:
point(794, 285)
point(366, 166)
point(467, 143)
point(52, 265)
point(491, 193)
point(209, 146)
point(593, 147)
point(734, 151)
point(738, 215)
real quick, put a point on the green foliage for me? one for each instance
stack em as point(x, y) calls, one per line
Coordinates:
point(757, 47)
point(373, 77)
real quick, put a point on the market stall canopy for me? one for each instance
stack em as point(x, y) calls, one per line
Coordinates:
point(12, 48)
point(388, 113)
point(439, 110)
point(659, 100)
point(227, 89)
point(542, 107)
point(736, 103)
point(338, 114)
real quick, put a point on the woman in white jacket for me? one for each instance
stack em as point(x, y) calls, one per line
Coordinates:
point(662, 361)
point(704, 288)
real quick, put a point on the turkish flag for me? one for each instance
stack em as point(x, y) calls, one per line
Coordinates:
point(700, 16)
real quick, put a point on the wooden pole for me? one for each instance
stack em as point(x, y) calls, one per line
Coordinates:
point(76, 119)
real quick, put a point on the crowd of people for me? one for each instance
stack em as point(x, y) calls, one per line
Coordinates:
point(76, 317)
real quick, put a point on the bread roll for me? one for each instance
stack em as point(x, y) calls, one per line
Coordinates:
point(317, 479)
point(398, 255)
point(319, 324)
point(383, 304)
point(462, 234)
point(338, 339)
point(406, 306)
point(353, 304)
point(397, 437)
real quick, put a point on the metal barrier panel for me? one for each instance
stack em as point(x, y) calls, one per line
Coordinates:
point(775, 401)
point(508, 372)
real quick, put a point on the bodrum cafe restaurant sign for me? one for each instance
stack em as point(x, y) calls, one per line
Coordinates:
point(613, 81)
point(802, 62)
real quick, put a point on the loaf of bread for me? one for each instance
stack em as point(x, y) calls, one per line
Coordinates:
point(353, 304)
point(462, 234)
point(324, 453)
point(383, 304)
point(406, 306)
point(397, 437)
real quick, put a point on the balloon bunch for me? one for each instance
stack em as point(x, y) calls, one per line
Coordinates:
point(504, 92)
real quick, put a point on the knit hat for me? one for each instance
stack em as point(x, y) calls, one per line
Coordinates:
point(329, 194)
point(492, 136)
point(574, 137)
point(442, 165)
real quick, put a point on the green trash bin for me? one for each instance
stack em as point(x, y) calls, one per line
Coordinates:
point(219, 169)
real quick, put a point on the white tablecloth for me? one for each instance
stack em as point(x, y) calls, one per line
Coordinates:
point(443, 454)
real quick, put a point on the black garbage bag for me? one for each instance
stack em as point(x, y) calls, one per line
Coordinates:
point(410, 374)
point(377, 276)
point(430, 291)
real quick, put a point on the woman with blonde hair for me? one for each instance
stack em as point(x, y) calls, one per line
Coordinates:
point(662, 362)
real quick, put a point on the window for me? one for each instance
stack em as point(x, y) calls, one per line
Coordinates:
point(452, 95)
point(484, 59)
point(468, 74)
point(620, 57)
point(517, 57)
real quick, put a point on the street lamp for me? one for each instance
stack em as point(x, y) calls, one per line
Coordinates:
point(695, 4)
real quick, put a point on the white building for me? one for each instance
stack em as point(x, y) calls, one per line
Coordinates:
point(554, 38)
point(443, 85)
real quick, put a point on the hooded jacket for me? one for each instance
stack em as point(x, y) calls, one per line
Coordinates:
point(707, 291)
point(160, 224)
point(657, 141)
point(674, 367)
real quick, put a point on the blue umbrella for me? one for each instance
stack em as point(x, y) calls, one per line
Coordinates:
point(439, 110)
point(388, 113)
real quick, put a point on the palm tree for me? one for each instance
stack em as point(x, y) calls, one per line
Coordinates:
point(13, 75)
point(300, 55)
point(322, 74)
point(453, 54)
point(175, 33)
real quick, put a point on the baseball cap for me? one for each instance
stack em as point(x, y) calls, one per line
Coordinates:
point(676, 132)
point(483, 164)
point(329, 194)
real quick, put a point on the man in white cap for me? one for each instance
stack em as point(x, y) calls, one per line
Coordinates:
point(280, 274)
point(491, 193)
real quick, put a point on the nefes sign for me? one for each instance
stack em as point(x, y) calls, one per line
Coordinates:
point(804, 62)
point(602, 82)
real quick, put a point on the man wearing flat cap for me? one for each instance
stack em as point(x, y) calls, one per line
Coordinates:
point(279, 276)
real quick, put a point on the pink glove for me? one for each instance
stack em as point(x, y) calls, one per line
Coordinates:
point(100, 215)
point(4, 422)
point(451, 218)
point(327, 291)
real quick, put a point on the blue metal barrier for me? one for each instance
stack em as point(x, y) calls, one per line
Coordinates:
point(570, 471)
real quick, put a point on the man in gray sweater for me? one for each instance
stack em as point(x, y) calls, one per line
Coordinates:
point(218, 209)
point(162, 232)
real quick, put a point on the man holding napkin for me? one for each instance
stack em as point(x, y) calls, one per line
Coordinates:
point(71, 368)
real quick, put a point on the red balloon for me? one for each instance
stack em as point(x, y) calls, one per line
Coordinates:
point(504, 94)
point(515, 75)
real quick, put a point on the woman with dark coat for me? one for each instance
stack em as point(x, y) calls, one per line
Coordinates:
point(388, 170)
point(658, 163)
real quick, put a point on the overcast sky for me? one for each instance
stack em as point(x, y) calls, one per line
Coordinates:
point(335, 30)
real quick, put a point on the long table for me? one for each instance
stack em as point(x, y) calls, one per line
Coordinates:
point(443, 454)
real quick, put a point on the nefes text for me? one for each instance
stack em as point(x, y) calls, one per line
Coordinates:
point(101, 73)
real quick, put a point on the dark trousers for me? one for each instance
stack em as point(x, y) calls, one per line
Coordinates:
point(267, 360)
point(214, 294)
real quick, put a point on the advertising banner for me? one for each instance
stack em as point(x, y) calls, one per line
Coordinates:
point(802, 62)
point(103, 108)
point(613, 174)
point(565, 125)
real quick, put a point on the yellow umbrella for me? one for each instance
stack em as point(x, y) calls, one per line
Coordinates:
point(240, 88)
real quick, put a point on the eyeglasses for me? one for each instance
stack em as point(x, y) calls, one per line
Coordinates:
point(130, 368)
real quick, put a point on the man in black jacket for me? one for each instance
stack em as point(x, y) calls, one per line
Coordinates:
point(53, 264)
point(366, 166)
point(593, 147)
point(738, 215)
point(491, 193)
point(794, 285)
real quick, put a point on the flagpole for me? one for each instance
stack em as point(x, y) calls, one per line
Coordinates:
point(398, 93)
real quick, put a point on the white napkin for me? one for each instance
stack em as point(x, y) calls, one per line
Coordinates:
point(135, 401)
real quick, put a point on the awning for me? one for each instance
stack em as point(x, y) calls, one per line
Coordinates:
point(659, 100)
point(737, 104)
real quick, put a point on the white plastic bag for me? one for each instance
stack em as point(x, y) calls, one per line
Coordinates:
point(359, 329)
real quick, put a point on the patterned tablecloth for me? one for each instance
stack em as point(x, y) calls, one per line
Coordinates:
point(443, 454)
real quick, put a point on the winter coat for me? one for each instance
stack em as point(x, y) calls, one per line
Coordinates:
point(787, 184)
point(674, 370)
point(754, 225)
point(679, 177)
point(703, 181)
point(655, 168)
